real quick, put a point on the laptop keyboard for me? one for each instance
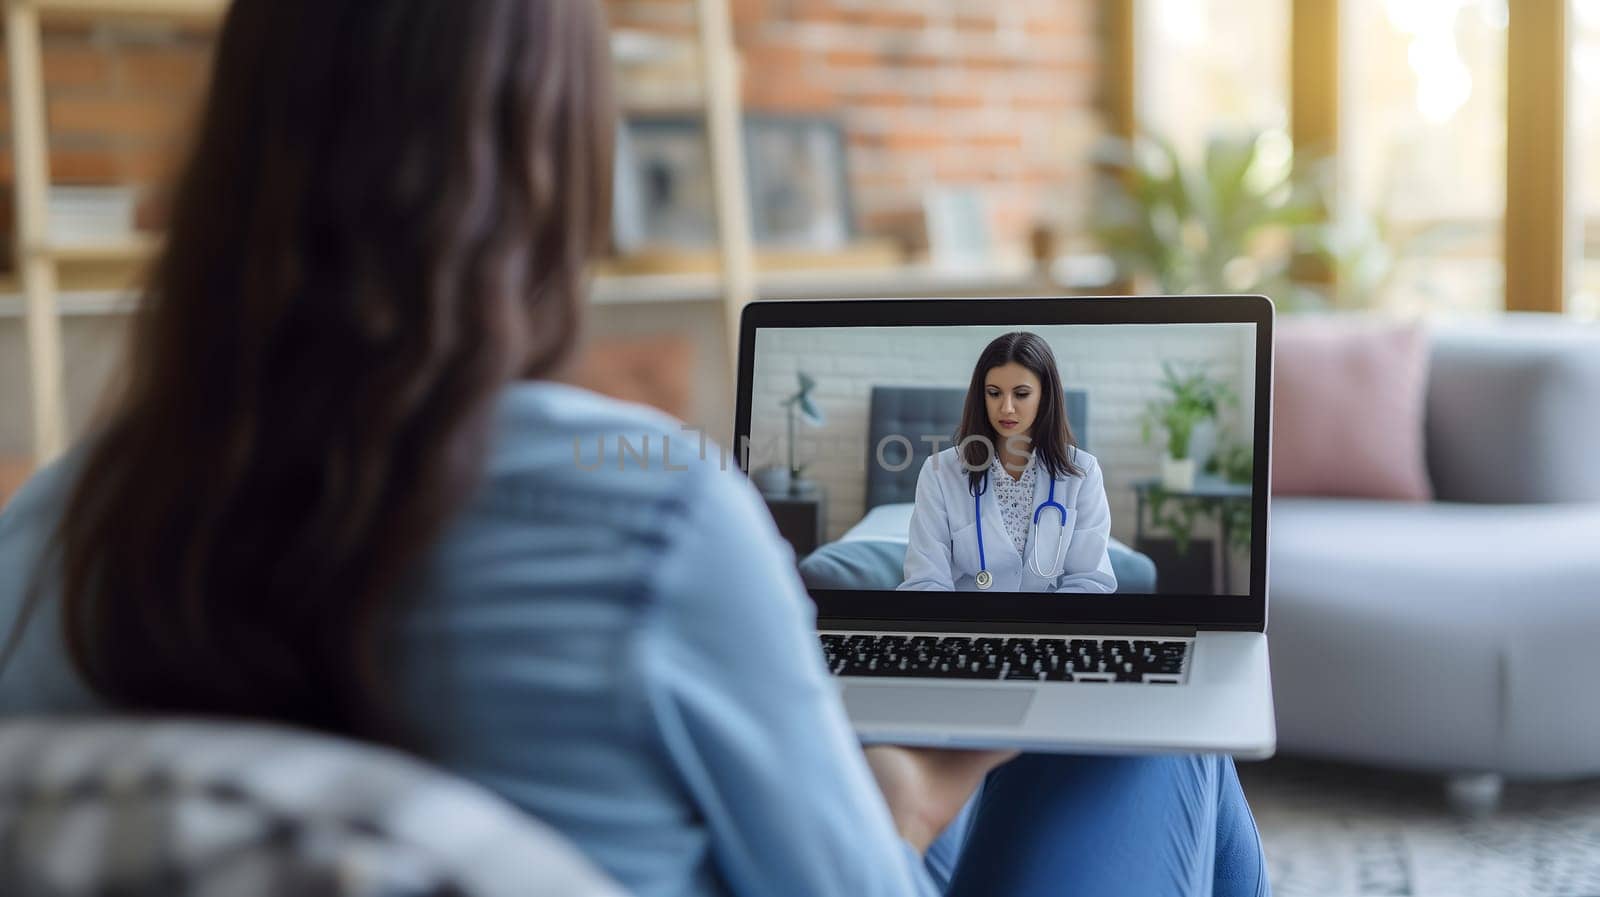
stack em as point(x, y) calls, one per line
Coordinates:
point(934, 656)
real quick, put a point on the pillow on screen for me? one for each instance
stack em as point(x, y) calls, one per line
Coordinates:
point(1347, 409)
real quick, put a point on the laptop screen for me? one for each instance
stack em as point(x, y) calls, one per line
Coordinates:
point(1064, 459)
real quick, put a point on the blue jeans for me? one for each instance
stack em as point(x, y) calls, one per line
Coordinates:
point(1067, 825)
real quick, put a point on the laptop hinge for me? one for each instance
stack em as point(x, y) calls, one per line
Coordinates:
point(857, 624)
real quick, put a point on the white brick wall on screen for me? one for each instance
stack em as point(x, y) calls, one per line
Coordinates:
point(1119, 366)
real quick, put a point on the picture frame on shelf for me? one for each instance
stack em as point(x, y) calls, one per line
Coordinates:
point(796, 173)
point(960, 236)
point(661, 187)
point(799, 182)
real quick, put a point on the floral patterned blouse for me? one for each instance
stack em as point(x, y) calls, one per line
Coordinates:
point(1015, 498)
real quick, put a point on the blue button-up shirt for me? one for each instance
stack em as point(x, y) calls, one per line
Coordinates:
point(620, 646)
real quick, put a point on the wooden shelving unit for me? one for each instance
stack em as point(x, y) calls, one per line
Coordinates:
point(135, 248)
point(719, 62)
point(169, 10)
point(38, 254)
point(718, 72)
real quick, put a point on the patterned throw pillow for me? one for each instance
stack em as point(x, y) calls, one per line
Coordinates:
point(205, 809)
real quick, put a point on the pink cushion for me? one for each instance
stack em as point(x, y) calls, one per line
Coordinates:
point(1347, 409)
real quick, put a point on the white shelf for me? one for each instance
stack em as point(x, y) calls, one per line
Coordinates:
point(1069, 273)
point(636, 46)
point(121, 249)
point(77, 303)
point(131, 9)
point(40, 253)
point(1072, 273)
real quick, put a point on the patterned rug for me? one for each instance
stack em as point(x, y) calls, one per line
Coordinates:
point(1338, 831)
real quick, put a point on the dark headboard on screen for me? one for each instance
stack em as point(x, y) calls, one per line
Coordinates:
point(924, 411)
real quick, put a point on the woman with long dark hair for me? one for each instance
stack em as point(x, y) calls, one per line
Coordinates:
point(336, 488)
point(1014, 505)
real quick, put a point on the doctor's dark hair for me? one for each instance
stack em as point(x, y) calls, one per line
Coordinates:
point(384, 218)
point(1052, 440)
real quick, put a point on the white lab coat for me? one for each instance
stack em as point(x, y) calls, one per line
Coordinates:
point(943, 550)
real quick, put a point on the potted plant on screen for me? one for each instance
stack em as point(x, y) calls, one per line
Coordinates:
point(1192, 397)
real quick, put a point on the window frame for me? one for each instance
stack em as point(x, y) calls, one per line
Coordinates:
point(1539, 228)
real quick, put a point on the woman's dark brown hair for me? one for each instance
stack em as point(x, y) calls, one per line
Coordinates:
point(385, 218)
point(1051, 437)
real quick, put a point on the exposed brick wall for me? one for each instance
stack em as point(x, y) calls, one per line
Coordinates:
point(954, 92)
point(119, 101)
point(951, 92)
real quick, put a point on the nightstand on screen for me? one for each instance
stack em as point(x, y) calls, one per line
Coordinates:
point(800, 518)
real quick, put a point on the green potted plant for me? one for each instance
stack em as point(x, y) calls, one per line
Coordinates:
point(1192, 397)
point(1234, 462)
point(1241, 218)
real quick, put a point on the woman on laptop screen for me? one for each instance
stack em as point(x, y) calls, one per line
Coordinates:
point(1014, 505)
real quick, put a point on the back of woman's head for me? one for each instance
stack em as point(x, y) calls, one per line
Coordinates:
point(384, 218)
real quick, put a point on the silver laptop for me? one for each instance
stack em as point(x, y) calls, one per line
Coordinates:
point(1026, 523)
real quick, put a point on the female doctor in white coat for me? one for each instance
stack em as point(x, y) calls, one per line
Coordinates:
point(1014, 506)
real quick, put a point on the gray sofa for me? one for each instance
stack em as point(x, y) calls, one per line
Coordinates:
point(1458, 636)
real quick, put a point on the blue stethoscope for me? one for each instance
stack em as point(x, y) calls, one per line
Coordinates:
point(984, 578)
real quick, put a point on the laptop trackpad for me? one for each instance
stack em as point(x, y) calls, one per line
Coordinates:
point(937, 705)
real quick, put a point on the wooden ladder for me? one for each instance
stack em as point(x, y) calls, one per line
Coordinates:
point(38, 254)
